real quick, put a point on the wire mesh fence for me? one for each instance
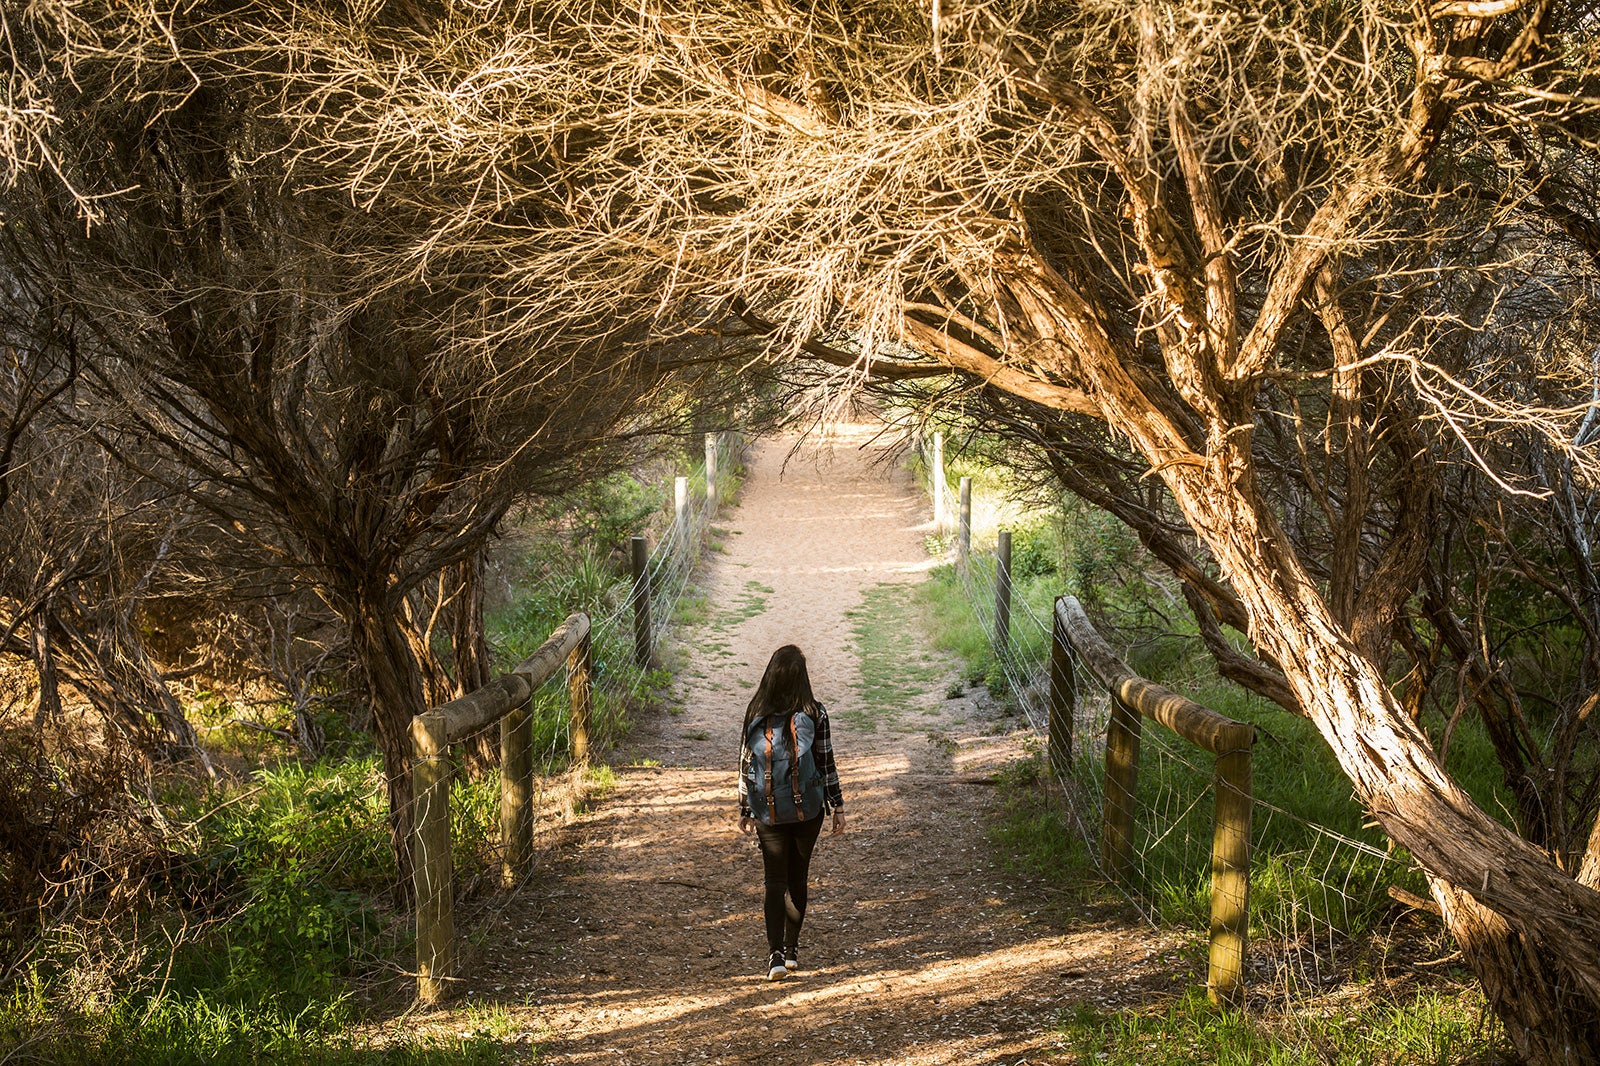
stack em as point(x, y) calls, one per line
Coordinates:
point(1318, 891)
point(495, 770)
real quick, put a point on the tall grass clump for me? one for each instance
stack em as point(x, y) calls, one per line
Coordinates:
point(958, 624)
point(583, 568)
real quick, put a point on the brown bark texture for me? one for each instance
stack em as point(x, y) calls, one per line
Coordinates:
point(469, 644)
point(394, 683)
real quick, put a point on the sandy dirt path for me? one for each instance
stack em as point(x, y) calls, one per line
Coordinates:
point(647, 946)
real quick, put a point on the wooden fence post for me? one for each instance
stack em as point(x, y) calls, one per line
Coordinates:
point(430, 855)
point(680, 505)
point(642, 651)
point(964, 525)
point(1230, 877)
point(1002, 597)
point(936, 475)
point(1122, 788)
point(711, 473)
point(516, 794)
point(505, 700)
point(1063, 697)
point(1134, 698)
point(580, 691)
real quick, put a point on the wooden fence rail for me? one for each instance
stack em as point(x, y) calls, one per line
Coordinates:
point(1133, 699)
point(504, 700)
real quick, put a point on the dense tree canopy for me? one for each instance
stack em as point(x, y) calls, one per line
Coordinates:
point(244, 386)
point(1324, 273)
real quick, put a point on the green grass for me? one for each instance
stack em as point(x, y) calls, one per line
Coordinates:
point(892, 680)
point(202, 1031)
point(1424, 1029)
point(1029, 836)
point(954, 625)
point(750, 601)
point(716, 624)
point(601, 781)
point(1299, 871)
point(693, 609)
point(553, 584)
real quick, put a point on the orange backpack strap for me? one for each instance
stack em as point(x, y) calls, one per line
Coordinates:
point(794, 766)
point(772, 810)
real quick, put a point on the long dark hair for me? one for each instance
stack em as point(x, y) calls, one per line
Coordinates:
point(785, 688)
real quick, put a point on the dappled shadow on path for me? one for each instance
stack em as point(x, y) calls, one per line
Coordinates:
point(916, 950)
point(647, 945)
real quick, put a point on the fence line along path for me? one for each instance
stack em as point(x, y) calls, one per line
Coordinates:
point(645, 945)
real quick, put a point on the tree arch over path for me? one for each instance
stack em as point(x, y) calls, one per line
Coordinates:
point(1203, 227)
point(917, 950)
point(1168, 218)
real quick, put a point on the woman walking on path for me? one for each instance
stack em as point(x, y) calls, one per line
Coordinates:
point(787, 785)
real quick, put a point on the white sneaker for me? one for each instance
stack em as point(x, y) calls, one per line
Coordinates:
point(791, 961)
point(776, 969)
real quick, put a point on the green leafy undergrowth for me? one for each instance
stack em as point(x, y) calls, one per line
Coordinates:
point(553, 582)
point(199, 1030)
point(293, 866)
point(267, 923)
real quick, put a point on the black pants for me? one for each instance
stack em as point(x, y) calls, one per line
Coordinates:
point(786, 861)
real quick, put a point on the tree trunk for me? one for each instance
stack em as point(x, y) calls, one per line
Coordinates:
point(1528, 929)
point(469, 640)
point(470, 650)
point(44, 660)
point(437, 687)
point(395, 692)
point(1547, 1020)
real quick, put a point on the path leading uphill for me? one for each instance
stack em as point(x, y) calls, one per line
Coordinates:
point(647, 947)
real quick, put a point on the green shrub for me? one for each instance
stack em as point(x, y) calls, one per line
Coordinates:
point(1036, 550)
point(603, 514)
point(996, 680)
point(296, 868)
